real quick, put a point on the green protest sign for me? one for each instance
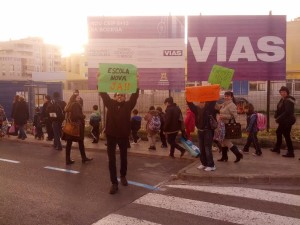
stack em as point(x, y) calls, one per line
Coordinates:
point(117, 78)
point(221, 75)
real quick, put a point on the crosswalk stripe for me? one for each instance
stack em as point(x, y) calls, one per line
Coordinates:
point(8, 160)
point(60, 169)
point(115, 219)
point(215, 211)
point(258, 194)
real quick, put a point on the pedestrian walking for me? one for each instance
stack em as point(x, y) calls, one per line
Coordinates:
point(117, 131)
point(285, 117)
point(228, 111)
point(189, 122)
point(74, 113)
point(37, 124)
point(95, 119)
point(204, 112)
point(136, 122)
point(56, 113)
point(173, 124)
point(152, 126)
point(45, 118)
point(162, 135)
point(21, 117)
point(251, 130)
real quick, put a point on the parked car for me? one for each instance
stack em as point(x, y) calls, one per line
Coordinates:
point(240, 103)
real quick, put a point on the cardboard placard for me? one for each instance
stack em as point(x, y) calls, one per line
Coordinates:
point(221, 75)
point(117, 78)
point(203, 93)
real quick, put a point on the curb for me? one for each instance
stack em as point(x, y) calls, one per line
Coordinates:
point(210, 178)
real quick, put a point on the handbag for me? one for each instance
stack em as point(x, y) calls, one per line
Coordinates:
point(71, 128)
point(12, 129)
point(233, 130)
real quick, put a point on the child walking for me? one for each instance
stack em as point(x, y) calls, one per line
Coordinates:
point(37, 123)
point(95, 120)
point(252, 130)
point(136, 122)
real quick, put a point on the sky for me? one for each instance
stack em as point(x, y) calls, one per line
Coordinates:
point(64, 22)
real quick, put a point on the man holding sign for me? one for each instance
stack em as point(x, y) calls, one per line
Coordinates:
point(118, 115)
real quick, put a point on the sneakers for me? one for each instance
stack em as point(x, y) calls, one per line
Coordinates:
point(210, 168)
point(152, 148)
point(201, 167)
point(164, 146)
point(124, 181)
point(113, 189)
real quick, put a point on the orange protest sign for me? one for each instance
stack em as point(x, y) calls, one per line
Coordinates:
point(203, 93)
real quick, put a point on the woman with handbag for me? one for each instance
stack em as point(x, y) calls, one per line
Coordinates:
point(75, 116)
point(228, 112)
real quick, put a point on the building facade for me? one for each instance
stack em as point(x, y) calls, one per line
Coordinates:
point(20, 58)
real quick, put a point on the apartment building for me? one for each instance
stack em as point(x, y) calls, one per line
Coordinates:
point(20, 58)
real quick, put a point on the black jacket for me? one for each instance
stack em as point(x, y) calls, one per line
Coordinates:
point(75, 114)
point(118, 115)
point(21, 113)
point(202, 121)
point(173, 119)
point(285, 111)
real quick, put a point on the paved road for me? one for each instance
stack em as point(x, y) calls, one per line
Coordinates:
point(179, 204)
point(36, 187)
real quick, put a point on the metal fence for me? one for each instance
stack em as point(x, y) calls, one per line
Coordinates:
point(156, 98)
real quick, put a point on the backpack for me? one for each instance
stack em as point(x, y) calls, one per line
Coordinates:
point(55, 112)
point(261, 121)
point(154, 124)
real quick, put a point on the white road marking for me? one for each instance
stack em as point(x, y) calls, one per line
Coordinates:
point(215, 211)
point(115, 219)
point(8, 160)
point(270, 196)
point(63, 170)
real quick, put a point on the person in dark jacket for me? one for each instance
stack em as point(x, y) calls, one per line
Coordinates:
point(37, 123)
point(285, 117)
point(74, 112)
point(21, 116)
point(162, 135)
point(173, 124)
point(58, 106)
point(117, 131)
point(45, 118)
point(136, 122)
point(13, 110)
point(251, 130)
point(204, 112)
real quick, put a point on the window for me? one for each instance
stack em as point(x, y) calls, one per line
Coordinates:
point(257, 86)
point(297, 86)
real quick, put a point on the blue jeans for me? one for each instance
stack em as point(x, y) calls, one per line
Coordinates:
point(205, 138)
point(252, 138)
point(22, 133)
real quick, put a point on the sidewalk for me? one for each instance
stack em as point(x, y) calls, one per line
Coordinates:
point(270, 168)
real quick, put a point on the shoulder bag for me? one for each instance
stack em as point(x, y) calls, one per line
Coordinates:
point(233, 130)
point(71, 128)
